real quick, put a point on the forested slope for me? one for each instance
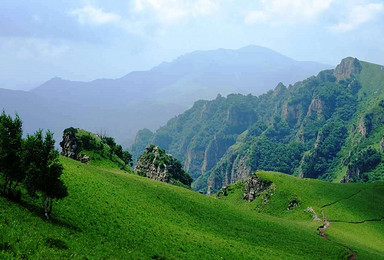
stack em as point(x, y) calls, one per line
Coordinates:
point(328, 127)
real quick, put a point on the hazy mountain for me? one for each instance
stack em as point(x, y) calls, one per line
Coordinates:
point(150, 98)
point(197, 75)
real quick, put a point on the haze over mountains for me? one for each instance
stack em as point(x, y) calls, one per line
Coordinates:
point(148, 99)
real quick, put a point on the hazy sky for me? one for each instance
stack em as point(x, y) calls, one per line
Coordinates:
point(89, 39)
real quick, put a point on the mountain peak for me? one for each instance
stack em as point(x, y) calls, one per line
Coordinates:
point(347, 67)
point(56, 79)
point(253, 47)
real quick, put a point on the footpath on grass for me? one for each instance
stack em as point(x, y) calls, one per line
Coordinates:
point(327, 224)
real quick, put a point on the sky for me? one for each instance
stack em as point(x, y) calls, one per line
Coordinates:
point(91, 39)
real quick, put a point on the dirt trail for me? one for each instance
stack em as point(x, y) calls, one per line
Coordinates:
point(327, 224)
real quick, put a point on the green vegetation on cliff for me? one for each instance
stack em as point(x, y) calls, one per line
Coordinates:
point(156, 164)
point(327, 127)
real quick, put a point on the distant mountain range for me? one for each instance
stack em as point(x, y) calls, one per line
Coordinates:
point(148, 99)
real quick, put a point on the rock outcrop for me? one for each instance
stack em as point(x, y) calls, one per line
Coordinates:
point(316, 108)
point(235, 167)
point(358, 165)
point(150, 165)
point(254, 186)
point(156, 164)
point(292, 113)
point(348, 67)
point(71, 146)
point(366, 124)
point(353, 171)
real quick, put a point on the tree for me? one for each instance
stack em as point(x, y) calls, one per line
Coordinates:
point(111, 143)
point(43, 170)
point(10, 152)
point(127, 158)
point(118, 150)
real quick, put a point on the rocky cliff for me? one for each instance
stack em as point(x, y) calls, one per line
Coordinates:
point(306, 129)
point(254, 186)
point(348, 67)
point(156, 164)
point(71, 145)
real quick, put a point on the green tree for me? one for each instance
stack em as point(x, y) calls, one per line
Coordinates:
point(110, 141)
point(10, 152)
point(43, 169)
point(123, 155)
point(127, 158)
point(118, 150)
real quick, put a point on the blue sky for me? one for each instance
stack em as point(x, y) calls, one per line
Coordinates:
point(89, 39)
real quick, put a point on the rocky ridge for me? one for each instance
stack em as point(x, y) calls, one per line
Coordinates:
point(305, 129)
point(71, 146)
point(348, 67)
point(253, 187)
point(156, 164)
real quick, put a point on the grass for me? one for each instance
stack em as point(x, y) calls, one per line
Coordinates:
point(111, 214)
point(365, 239)
point(353, 202)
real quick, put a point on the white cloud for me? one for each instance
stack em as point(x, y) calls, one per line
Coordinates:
point(94, 16)
point(358, 15)
point(286, 11)
point(170, 11)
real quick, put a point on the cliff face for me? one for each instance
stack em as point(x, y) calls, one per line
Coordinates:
point(152, 165)
point(316, 108)
point(353, 172)
point(292, 113)
point(348, 67)
point(306, 129)
point(71, 146)
point(155, 164)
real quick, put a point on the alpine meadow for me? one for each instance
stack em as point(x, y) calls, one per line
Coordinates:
point(164, 129)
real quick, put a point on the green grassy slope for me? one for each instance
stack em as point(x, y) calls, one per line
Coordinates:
point(342, 204)
point(110, 214)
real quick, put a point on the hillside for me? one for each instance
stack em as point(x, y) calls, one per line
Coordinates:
point(150, 98)
point(112, 214)
point(354, 211)
point(327, 127)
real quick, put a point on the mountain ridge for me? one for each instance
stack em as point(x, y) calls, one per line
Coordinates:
point(147, 99)
point(306, 129)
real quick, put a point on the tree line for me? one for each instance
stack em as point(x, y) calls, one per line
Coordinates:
point(31, 163)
